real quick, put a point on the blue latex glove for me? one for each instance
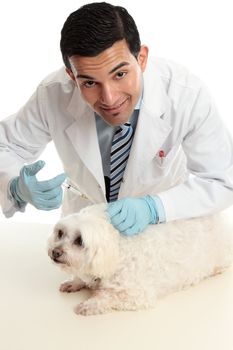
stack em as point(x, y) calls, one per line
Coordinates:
point(132, 215)
point(44, 195)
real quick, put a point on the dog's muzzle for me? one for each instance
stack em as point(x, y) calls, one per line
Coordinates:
point(56, 254)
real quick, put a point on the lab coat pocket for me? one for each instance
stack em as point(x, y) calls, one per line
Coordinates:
point(160, 175)
point(165, 158)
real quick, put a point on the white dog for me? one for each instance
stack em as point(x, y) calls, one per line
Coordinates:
point(130, 273)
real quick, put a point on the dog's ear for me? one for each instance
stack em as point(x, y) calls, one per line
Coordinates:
point(103, 253)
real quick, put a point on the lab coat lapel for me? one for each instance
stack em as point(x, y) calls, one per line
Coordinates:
point(82, 134)
point(151, 132)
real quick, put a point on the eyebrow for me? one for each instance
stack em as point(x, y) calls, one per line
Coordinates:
point(84, 76)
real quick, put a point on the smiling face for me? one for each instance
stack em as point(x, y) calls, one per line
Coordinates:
point(111, 82)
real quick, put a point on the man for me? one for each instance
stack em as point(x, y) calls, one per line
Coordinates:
point(141, 134)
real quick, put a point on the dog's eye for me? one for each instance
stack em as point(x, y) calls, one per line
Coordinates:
point(60, 234)
point(78, 241)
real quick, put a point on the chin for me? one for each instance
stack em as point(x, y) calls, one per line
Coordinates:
point(117, 119)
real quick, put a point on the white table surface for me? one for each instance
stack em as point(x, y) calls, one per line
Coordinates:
point(35, 315)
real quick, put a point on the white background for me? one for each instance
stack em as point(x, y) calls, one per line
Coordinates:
point(197, 34)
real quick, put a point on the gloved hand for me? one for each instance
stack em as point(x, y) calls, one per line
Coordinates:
point(132, 215)
point(44, 195)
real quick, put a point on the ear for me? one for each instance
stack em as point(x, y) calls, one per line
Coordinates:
point(142, 57)
point(104, 251)
point(70, 73)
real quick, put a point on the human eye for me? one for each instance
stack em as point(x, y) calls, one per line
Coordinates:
point(88, 84)
point(120, 75)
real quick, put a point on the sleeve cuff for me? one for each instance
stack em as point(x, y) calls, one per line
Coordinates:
point(14, 205)
point(160, 209)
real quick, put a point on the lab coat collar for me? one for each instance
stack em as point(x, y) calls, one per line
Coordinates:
point(77, 106)
point(155, 99)
point(82, 134)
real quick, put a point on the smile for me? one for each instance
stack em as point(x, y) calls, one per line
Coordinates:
point(114, 109)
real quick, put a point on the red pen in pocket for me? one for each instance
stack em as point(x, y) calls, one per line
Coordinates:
point(161, 156)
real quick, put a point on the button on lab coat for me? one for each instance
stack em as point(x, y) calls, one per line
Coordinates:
point(177, 119)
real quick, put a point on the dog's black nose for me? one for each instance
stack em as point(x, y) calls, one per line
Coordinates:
point(56, 253)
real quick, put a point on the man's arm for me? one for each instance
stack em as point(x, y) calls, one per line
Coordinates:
point(23, 137)
point(209, 151)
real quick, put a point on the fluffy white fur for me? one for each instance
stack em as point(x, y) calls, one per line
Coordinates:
point(130, 273)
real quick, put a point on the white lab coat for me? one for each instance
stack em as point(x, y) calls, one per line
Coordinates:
point(177, 116)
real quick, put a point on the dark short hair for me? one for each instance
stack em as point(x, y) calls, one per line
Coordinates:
point(94, 28)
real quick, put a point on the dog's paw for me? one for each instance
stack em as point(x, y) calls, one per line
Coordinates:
point(71, 286)
point(88, 308)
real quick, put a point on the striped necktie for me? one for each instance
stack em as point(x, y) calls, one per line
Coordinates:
point(120, 150)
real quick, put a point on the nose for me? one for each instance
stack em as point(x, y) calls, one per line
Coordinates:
point(57, 253)
point(108, 95)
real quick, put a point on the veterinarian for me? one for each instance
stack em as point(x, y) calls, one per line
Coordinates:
point(178, 154)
